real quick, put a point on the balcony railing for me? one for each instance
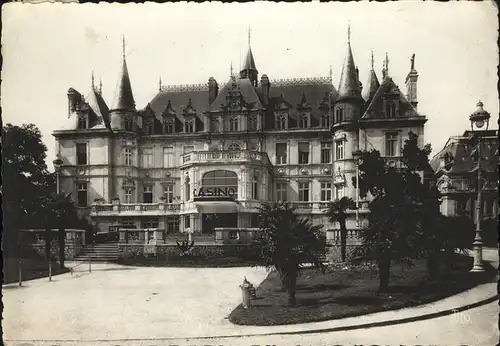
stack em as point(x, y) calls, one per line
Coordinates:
point(134, 208)
point(224, 156)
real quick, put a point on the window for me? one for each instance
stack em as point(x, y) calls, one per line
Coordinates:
point(147, 157)
point(128, 156)
point(148, 127)
point(255, 187)
point(82, 194)
point(168, 193)
point(82, 122)
point(223, 179)
point(234, 147)
point(168, 157)
point(281, 153)
point(339, 192)
point(303, 121)
point(303, 153)
point(187, 221)
point(150, 223)
point(326, 152)
point(461, 206)
point(129, 124)
point(339, 150)
point(168, 126)
point(325, 120)
point(252, 123)
point(391, 140)
point(81, 153)
point(304, 191)
point(339, 115)
point(189, 126)
point(187, 190)
point(128, 195)
point(488, 206)
point(280, 122)
point(281, 194)
point(326, 191)
point(391, 110)
point(173, 224)
point(147, 196)
point(233, 124)
point(215, 125)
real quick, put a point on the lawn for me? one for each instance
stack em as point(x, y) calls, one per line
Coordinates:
point(31, 269)
point(351, 290)
point(189, 262)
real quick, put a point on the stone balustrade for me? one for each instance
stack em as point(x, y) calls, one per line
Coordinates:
point(225, 156)
point(135, 208)
point(235, 234)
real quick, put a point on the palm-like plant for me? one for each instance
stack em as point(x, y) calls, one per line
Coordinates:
point(286, 242)
point(337, 213)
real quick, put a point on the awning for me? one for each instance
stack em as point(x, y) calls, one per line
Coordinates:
point(217, 207)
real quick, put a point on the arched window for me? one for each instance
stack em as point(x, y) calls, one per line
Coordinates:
point(252, 123)
point(189, 126)
point(255, 187)
point(215, 125)
point(168, 126)
point(227, 181)
point(128, 124)
point(148, 127)
point(325, 120)
point(233, 124)
point(339, 115)
point(303, 121)
point(234, 147)
point(280, 122)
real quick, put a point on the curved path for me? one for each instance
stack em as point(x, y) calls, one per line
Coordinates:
point(116, 305)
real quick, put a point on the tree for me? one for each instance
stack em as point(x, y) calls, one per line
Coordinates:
point(404, 211)
point(286, 242)
point(337, 213)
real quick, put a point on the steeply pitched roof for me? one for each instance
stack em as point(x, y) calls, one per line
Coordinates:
point(245, 87)
point(371, 87)
point(375, 109)
point(99, 107)
point(124, 98)
point(179, 96)
point(349, 85)
point(249, 63)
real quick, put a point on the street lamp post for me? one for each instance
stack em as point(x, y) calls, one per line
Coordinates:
point(357, 157)
point(478, 119)
point(57, 168)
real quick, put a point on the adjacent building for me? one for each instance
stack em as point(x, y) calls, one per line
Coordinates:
point(198, 157)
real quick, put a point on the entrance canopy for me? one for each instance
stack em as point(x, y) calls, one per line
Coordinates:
point(217, 207)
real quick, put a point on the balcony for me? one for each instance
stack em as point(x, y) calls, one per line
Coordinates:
point(135, 209)
point(224, 156)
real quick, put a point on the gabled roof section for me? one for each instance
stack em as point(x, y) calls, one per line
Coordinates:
point(244, 87)
point(372, 86)
point(175, 98)
point(99, 107)
point(375, 109)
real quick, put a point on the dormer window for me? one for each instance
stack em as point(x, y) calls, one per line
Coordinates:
point(391, 110)
point(215, 125)
point(189, 126)
point(168, 126)
point(82, 122)
point(281, 122)
point(233, 124)
point(148, 127)
point(128, 124)
point(303, 121)
point(252, 123)
point(339, 115)
point(325, 120)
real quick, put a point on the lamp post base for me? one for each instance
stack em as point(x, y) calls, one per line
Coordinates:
point(478, 266)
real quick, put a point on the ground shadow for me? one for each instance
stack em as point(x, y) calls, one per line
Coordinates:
point(321, 287)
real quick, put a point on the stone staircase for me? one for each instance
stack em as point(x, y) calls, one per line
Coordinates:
point(99, 252)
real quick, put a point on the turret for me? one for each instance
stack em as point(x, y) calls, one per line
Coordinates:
point(265, 85)
point(249, 70)
point(123, 111)
point(373, 83)
point(411, 84)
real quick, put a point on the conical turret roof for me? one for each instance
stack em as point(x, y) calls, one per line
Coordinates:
point(349, 83)
point(124, 97)
point(373, 83)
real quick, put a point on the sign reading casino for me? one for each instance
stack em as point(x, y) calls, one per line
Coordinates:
point(214, 192)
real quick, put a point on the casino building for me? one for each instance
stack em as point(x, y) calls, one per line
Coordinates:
point(204, 156)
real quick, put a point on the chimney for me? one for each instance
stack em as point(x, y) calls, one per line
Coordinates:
point(411, 84)
point(74, 99)
point(265, 86)
point(213, 90)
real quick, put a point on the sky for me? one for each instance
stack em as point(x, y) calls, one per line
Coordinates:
point(48, 48)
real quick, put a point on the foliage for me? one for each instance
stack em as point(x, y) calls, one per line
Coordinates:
point(404, 219)
point(185, 247)
point(337, 213)
point(286, 242)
